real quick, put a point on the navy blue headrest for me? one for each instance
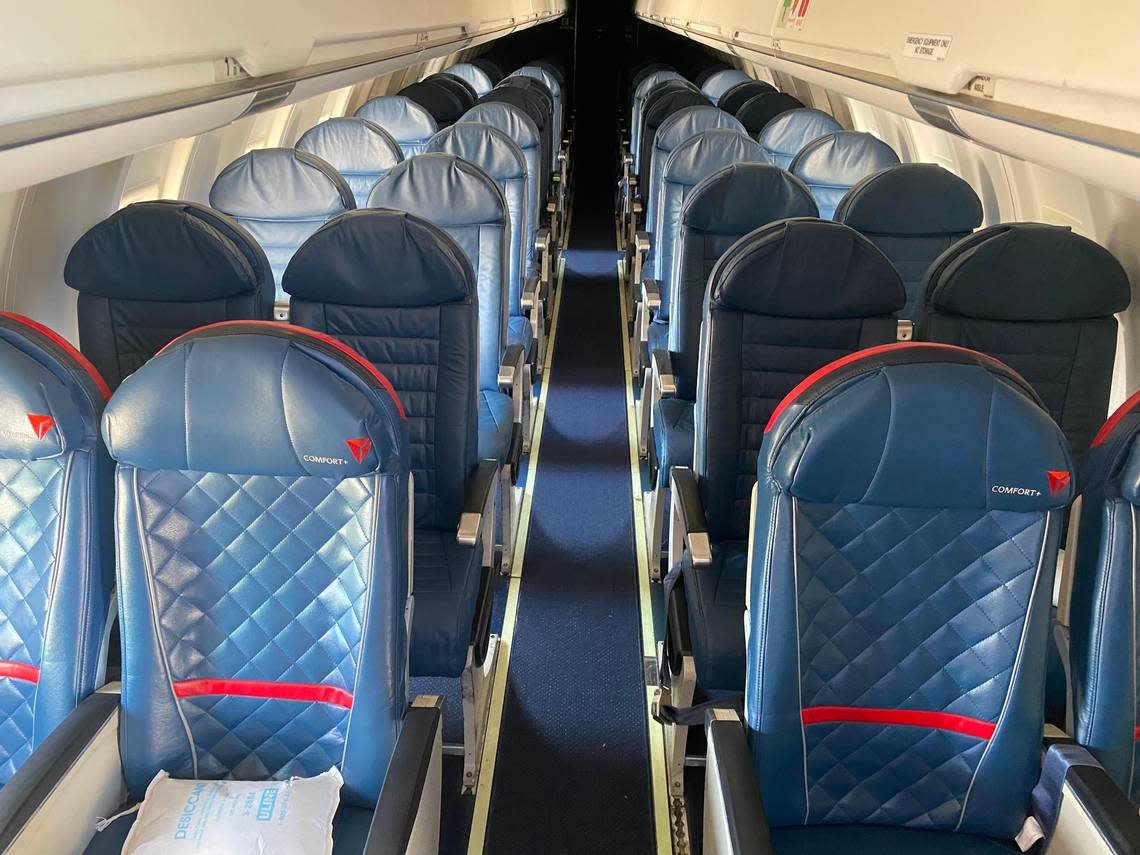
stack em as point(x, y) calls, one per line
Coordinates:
point(738, 198)
point(911, 199)
point(759, 110)
point(508, 118)
point(379, 258)
point(659, 107)
point(438, 98)
point(1115, 453)
point(352, 145)
point(168, 251)
point(842, 159)
point(806, 269)
point(735, 96)
point(280, 183)
point(922, 426)
point(400, 116)
point(789, 132)
point(456, 192)
point(494, 151)
point(699, 156)
point(50, 395)
point(257, 398)
point(1027, 272)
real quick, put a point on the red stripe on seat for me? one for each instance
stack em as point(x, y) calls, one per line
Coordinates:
point(312, 692)
point(20, 671)
point(912, 718)
point(1136, 733)
point(1117, 416)
point(68, 347)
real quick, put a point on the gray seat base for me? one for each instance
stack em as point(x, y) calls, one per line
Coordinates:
point(496, 423)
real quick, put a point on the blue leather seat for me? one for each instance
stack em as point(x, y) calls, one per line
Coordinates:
point(490, 67)
point(538, 108)
point(719, 82)
point(735, 96)
point(786, 135)
point(281, 196)
point(898, 624)
point(359, 150)
point(407, 122)
point(280, 615)
point(547, 79)
point(56, 552)
point(154, 270)
point(640, 93)
point(832, 165)
point(475, 76)
point(782, 302)
point(1008, 291)
point(759, 110)
point(1103, 613)
point(913, 212)
point(659, 106)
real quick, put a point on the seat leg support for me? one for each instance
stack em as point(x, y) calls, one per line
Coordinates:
point(476, 682)
point(509, 518)
point(654, 504)
point(683, 686)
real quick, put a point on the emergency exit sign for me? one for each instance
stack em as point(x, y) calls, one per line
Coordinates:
point(928, 47)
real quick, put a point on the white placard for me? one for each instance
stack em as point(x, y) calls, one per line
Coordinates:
point(926, 46)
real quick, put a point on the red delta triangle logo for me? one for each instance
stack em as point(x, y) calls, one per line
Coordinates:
point(40, 424)
point(1058, 481)
point(359, 448)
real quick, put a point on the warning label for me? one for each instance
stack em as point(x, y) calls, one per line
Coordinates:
point(925, 46)
point(792, 14)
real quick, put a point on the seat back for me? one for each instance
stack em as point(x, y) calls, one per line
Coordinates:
point(782, 302)
point(476, 77)
point(409, 124)
point(491, 68)
point(682, 125)
point(467, 204)
point(281, 196)
point(641, 91)
point(913, 212)
point(262, 560)
point(56, 554)
point(691, 162)
point(1041, 299)
point(497, 155)
point(356, 148)
point(659, 107)
point(548, 80)
point(399, 291)
point(734, 97)
point(463, 90)
point(730, 203)
point(153, 270)
point(517, 125)
point(719, 82)
point(759, 110)
point(443, 101)
point(898, 625)
point(785, 135)
point(832, 165)
point(535, 107)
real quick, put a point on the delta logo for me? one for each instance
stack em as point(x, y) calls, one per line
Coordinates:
point(1058, 481)
point(359, 448)
point(40, 424)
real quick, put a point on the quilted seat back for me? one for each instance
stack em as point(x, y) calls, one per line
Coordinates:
point(281, 196)
point(359, 150)
point(720, 210)
point(1041, 299)
point(783, 301)
point(56, 559)
point(154, 270)
point(407, 122)
point(401, 292)
point(832, 165)
point(907, 517)
point(785, 135)
point(466, 203)
point(262, 533)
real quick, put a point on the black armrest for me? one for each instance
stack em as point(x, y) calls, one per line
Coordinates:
point(27, 790)
point(650, 288)
point(480, 491)
point(687, 499)
point(510, 367)
point(735, 823)
point(529, 292)
point(643, 242)
point(542, 240)
point(404, 786)
point(663, 374)
point(1106, 806)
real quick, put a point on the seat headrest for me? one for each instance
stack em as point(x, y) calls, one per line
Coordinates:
point(842, 159)
point(458, 85)
point(257, 398)
point(400, 116)
point(442, 188)
point(280, 184)
point(475, 77)
point(651, 80)
point(1116, 453)
point(741, 197)
point(438, 98)
point(734, 97)
point(168, 251)
point(380, 258)
point(911, 199)
point(50, 395)
point(659, 107)
point(508, 118)
point(806, 269)
point(352, 145)
point(717, 84)
point(918, 425)
point(1027, 272)
point(701, 155)
point(791, 130)
point(542, 76)
point(689, 122)
point(492, 150)
point(759, 110)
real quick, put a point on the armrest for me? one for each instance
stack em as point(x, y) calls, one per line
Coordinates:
point(650, 288)
point(1080, 808)
point(407, 815)
point(480, 493)
point(529, 291)
point(74, 775)
point(687, 501)
point(734, 822)
point(511, 368)
point(542, 240)
point(643, 242)
point(663, 373)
